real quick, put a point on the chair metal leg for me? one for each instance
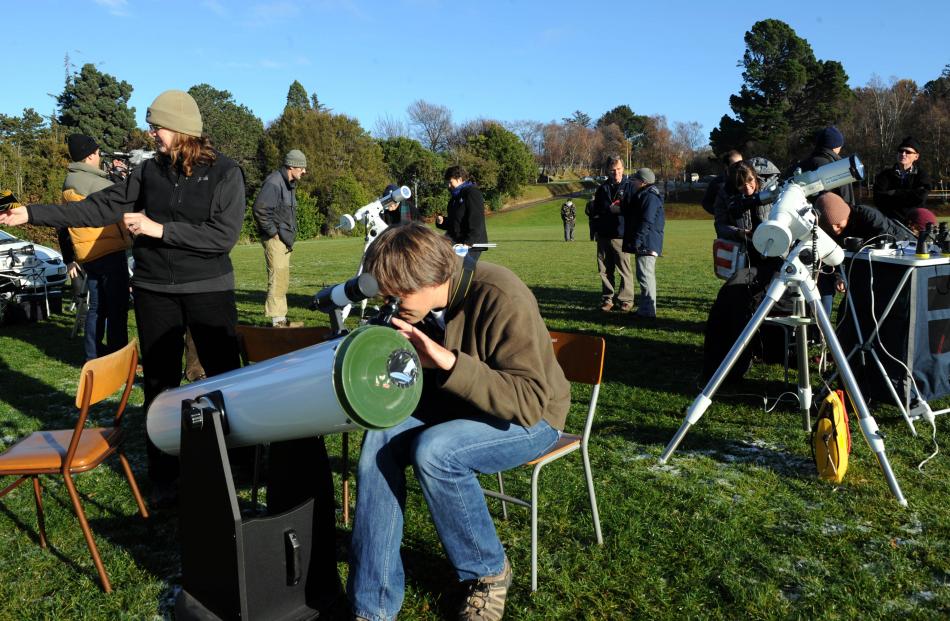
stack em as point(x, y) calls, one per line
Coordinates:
point(595, 514)
point(143, 511)
point(534, 527)
point(87, 533)
point(501, 490)
point(345, 474)
point(40, 518)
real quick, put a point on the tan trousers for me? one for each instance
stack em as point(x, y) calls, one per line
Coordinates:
point(277, 258)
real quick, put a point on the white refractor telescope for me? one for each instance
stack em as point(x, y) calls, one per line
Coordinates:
point(372, 214)
point(792, 218)
point(369, 379)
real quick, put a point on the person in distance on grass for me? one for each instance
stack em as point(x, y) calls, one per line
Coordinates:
point(494, 397)
point(464, 222)
point(904, 186)
point(643, 236)
point(275, 212)
point(609, 200)
point(568, 215)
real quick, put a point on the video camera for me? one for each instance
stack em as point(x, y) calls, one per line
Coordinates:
point(130, 161)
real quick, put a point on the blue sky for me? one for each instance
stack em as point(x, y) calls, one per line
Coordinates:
point(502, 59)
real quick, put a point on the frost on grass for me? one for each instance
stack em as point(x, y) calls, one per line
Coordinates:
point(760, 454)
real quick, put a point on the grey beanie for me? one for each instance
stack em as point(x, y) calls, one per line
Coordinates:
point(177, 111)
point(295, 159)
point(645, 175)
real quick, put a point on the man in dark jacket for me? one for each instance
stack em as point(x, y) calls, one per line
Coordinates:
point(903, 187)
point(608, 202)
point(643, 236)
point(464, 222)
point(568, 215)
point(275, 212)
point(400, 212)
point(828, 144)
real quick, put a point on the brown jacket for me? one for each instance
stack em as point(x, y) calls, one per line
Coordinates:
point(506, 365)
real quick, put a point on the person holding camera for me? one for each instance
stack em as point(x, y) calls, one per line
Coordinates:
point(494, 398)
point(904, 187)
point(98, 252)
point(275, 211)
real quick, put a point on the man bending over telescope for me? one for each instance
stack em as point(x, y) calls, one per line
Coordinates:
point(494, 397)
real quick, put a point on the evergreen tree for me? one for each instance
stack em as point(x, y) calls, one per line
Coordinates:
point(297, 98)
point(409, 163)
point(787, 94)
point(234, 130)
point(632, 125)
point(96, 104)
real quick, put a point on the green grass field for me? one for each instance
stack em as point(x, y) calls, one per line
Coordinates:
point(735, 526)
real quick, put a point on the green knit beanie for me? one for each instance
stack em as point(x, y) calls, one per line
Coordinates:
point(177, 111)
point(295, 159)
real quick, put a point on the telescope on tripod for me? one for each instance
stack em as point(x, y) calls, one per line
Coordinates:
point(792, 232)
point(371, 216)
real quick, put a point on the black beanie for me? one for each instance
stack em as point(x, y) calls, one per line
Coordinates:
point(830, 138)
point(80, 147)
point(911, 143)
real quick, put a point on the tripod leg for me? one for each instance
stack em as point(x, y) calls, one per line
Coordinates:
point(804, 381)
point(704, 399)
point(868, 425)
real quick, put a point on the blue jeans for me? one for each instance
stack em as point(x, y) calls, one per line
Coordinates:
point(108, 316)
point(446, 454)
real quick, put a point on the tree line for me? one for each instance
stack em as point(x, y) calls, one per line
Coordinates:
point(787, 94)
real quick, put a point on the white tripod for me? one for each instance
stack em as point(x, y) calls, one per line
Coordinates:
point(795, 275)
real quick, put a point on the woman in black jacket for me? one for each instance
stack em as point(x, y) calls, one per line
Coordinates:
point(464, 221)
point(184, 209)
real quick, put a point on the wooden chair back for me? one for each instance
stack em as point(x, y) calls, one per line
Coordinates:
point(581, 356)
point(262, 343)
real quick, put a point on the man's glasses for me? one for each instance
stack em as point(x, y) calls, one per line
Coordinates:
point(907, 152)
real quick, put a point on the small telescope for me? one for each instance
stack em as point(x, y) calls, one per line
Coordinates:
point(792, 218)
point(371, 214)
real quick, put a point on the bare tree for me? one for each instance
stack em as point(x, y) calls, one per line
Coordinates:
point(687, 140)
point(530, 132)
point(431, 123)
point(388, 126)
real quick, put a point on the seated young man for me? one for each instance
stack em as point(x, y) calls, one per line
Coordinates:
point(493, 398)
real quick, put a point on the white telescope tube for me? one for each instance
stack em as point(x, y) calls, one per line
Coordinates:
point(371, 379)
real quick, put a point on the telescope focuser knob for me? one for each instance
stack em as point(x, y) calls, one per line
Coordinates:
point(195, 418)
point(806, 256)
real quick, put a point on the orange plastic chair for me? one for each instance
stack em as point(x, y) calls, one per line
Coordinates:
point(582, 359)
point(262, 343)
point(70, 451)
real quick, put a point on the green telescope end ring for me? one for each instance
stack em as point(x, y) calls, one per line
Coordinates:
point(377, 377)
